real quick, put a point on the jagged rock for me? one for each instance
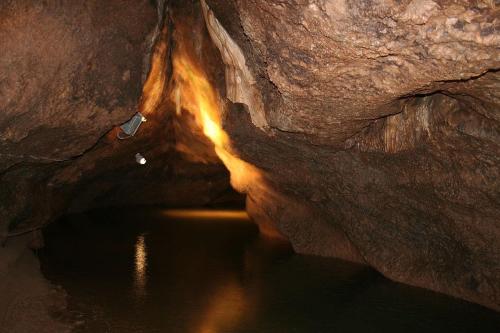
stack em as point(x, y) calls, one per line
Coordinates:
point(374, 125)
point(70, 71)
point(381, 142)
point(70, 74)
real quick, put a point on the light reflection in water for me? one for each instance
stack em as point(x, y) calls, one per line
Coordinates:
point(225, 309)
point(205, 214)
point(225, 278)
point(141, 262)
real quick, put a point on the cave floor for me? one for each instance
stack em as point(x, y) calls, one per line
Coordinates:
point(147, 270)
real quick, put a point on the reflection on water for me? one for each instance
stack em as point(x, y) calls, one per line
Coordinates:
point(179, 271)
point(205, 214)
point(225, 309)
point(140, 266)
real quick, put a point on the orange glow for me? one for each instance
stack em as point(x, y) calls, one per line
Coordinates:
point(195, 94)
point(206, 214)
point(152, 90)
point(243, 174)
point(225, 310)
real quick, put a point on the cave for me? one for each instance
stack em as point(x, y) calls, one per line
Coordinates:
point(260, 166)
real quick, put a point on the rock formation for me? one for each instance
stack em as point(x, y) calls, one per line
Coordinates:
point(372, 127)
point(70, 74)
point(380, 139)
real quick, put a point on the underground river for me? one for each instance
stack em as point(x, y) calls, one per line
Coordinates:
point(156, 270)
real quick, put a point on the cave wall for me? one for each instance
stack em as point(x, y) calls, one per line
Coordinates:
point(380, 140)
point(374, 124)
point(70, 72)
point(70, 75)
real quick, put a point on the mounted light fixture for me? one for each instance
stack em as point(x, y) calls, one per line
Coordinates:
point(140, 159)
point(131, 126)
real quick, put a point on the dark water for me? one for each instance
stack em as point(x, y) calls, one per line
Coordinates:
point(144, 271)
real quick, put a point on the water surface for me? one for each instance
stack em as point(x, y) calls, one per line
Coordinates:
point(151, 270)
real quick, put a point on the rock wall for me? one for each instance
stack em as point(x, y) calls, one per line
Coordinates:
point(374, 124)
point(29, 303)
point(70, 74)
point(381, 139)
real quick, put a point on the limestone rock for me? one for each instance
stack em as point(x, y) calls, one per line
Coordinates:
point(383, 142)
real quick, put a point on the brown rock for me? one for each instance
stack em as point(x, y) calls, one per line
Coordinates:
point(374, 125)
point(383, 124)
point(61, 69)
